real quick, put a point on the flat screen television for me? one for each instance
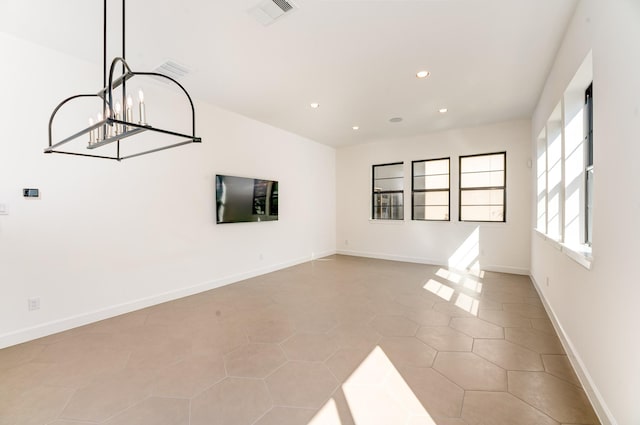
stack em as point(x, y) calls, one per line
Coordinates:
point(241, 199)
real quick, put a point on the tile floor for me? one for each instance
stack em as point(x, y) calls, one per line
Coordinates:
point(337, 341)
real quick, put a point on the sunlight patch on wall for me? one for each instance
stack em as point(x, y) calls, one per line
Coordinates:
point(466, 256)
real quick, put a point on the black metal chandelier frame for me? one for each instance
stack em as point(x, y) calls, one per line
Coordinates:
point(106, 94)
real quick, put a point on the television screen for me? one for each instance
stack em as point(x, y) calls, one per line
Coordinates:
point(241, 199)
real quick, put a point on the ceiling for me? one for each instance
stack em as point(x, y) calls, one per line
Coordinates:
point(358, 59)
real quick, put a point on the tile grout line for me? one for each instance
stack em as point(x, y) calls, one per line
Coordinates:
point(531, 405)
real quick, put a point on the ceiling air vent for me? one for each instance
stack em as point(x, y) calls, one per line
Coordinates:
point(268, 11)
point(171, 69)
point(284, 5)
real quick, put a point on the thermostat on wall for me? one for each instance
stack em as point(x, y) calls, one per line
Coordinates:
point(31, 193)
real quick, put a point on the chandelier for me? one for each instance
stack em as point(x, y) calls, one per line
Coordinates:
point(115, 122)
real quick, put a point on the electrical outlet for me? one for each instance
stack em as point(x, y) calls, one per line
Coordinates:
point(33, 304)
point(261, 256)
point(4, 209)
point(346, 242)
point(547, 281)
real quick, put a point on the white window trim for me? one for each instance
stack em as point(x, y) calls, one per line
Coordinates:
point(581, 253)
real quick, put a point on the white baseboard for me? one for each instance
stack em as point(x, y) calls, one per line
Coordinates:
point(596, 399)
point(60, 325)
point(506, 269)
point(390, 257)
point(431, 261)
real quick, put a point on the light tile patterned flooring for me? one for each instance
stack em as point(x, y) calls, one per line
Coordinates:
point(337, 341)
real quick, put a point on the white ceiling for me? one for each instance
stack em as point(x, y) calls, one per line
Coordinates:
point(488, 58)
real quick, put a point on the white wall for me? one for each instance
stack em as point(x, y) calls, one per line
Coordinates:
point(597, 309)
point(108, 237)
point(502, 246)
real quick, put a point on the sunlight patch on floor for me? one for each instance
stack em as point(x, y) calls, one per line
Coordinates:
point(443, 291)
point(376, 394)
point(328, 415)
point(473, 285)
point(468, 304)
point(449, 275)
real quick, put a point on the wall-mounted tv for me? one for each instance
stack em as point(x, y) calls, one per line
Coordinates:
point(241, 199)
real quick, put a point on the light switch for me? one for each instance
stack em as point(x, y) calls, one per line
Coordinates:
point(4, 209)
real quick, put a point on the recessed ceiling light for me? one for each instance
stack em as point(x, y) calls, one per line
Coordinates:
point(443, 110)
point(314, 105)
point(422, 74)
point(396, 119)
point(355, 127)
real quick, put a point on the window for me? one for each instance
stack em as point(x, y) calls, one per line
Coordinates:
point(541, 183)
point(555, 181)
point(387, 192)
point(430, 189)
point(588, 171)
point(564, 169)
point(483, 187)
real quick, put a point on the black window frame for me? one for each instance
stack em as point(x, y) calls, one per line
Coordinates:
point(504, 188)
point(382, 192)
point(414, 190)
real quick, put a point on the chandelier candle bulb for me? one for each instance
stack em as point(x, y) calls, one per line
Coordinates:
point(92, 134)
point(108, 128)
point(118, 116)
point(128, 113)
point(143, 117)
point(100, 129)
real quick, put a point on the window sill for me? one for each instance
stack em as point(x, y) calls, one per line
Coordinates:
point(553, 240)
point(484, 224)
point(386, 221)
point(581, 254)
